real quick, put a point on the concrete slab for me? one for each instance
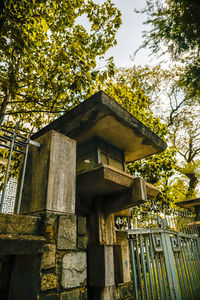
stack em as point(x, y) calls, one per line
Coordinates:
point(102, 116)
point(105, 180)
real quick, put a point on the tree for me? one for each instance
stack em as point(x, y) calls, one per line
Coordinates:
point(47, 58)
point(130, 88)
point(185, 135)
point(175, 29)
point(157, 99)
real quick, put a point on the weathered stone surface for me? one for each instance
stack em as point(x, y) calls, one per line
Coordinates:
point(50, 175)
point(59, 256)
point(100, 257)
point(122, 267)
point(106, 293)
point(134, 195)
point(123, 189)
point(48, 257)
point(21, 244)
point(67, 232)
point(124, 292)
point(81, 225)
point(124, 213)
point(49, 281)
point(110, 293)
point(50, 227)
point(101, 228)
point(49, 297)
point(109, 266)
point(82, 243)
point(18, 224)
point(102, 116)
point(74, 271)
point(74, 295)
point(122, 258)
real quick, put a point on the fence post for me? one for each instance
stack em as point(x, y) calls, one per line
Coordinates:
point(170, 267)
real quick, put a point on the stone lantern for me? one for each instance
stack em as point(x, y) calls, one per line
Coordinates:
point(107, 138)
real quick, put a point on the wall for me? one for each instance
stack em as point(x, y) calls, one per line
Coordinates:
point(45, 251)
point(64, 261)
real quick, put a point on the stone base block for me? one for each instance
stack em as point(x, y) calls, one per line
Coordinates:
point(101, 265)
point(49, 281)
point(122, 265)
point(67, 232)
point(74, 270)
point(49, 257)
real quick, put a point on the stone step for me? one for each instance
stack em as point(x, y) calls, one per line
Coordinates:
point(19, 224)
point(21, 244)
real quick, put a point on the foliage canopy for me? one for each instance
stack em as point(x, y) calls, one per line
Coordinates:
point(175, 24)
point(47, 58)
point(156, 97)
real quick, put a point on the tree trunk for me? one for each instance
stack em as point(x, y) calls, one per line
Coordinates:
point(193, 181)
point(3, 108)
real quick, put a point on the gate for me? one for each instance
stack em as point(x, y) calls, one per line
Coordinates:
point(12, 142)
point(165, 264)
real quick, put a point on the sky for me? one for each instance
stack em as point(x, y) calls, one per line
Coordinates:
point(129, 36)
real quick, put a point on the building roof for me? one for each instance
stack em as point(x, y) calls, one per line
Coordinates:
point(102, 116)
point(191, 203)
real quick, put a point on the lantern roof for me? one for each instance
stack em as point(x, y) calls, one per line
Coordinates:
point(102, 116)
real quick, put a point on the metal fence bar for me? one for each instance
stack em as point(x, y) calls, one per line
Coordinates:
point(192, 269)
point(188, 270)
point(166, 265)
point(139, 268)
point(194, 262)
point(197, 257)
point(154, 268)
point(23, 172)
point(184, 276)
point(164, 277)
point(159, 275)
point(143, 265)
point(133, 263)
point(170, 267)
point(190, 287)
point(179, 275)
point(149, 268)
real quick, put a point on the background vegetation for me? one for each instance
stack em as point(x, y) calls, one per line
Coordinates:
point(48, 64)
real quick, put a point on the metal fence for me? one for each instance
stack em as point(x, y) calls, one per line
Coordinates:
point(146, 216)
point(165, 264)
point(165, 252)
point(13, 142)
